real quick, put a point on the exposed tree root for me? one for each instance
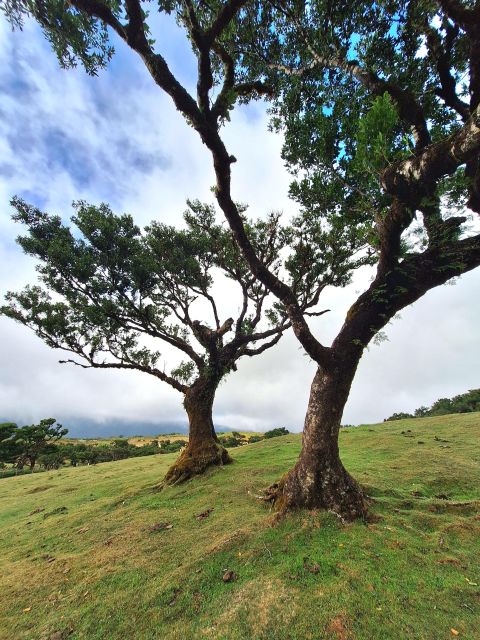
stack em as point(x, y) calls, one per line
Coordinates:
point(195, 460)
point(342, 497)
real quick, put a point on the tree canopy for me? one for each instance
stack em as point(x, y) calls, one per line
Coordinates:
point(23, 445)
point(111, 292)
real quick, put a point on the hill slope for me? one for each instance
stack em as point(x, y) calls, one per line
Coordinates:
point(78, 558)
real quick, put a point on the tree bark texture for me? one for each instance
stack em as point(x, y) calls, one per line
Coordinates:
point(203, 449)
point(319, 480)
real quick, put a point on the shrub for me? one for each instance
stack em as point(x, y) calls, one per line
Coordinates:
point(166, 446)
point(232, 440)
point(399, 416)
point(274, 433)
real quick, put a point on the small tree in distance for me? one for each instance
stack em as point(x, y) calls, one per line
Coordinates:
point(37, 439)
point(9, 446)
point(274, 433)
point(118, 291)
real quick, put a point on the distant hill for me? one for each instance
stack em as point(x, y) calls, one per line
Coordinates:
point(84, 428)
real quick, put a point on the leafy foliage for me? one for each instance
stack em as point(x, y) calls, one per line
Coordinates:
point(24, 445)
point(74, 36)
point(358, 87)
point(274, 433)
point(111, 288)
point(377, 132)
point(9, 446)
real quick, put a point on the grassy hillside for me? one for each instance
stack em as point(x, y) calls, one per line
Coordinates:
point(139, 441)
point(80, 556)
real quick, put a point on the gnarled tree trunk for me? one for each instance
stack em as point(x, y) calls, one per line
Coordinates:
point(203, 449)
point(319, 479)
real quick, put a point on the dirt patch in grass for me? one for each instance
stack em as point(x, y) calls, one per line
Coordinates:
point(41, 488)
point(338, 628)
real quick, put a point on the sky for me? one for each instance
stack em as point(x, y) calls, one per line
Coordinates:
point(116, 138)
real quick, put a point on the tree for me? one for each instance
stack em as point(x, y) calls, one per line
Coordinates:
point(274, 433)
point(386, 146)
point(112, 292)
point(9, 447)
point(401, 415)
point(379, 104)
point(51, 460)
point(421, 412)
point(463, 403)
point(36, 439)
point(70, 452)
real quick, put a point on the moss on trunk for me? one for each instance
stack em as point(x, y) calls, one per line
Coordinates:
point(203, 449)
point(195, 460)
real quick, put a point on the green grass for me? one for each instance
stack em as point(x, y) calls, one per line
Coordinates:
point(88, 566)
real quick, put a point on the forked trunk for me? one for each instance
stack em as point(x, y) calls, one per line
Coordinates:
point(203, 449)
point(319, 479)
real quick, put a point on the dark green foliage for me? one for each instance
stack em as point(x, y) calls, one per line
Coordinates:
point(399, 416)
point(9, 447)
point(358, 88)
point(232, 440)
point(463, 403)
point(37, 439)
point(168, 446)
point(51, 460)
point(112, 287)
point(107, 452)
point(274, 433)
point(74, 36)
point(23, 446)
point(121, 443)
point(40, 444)
point(54, 456)
point(421, 412)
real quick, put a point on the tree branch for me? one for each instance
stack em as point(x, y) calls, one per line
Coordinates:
point(460, 14)
point(408, 281)
point(263, 347)
point(410, 179)
point(312, 346)
point(99, 10)
point(155, 63)
point(223, 100)
point(442, 56)
point(247, 88)
point(162, 75)
point(114, 365)
point(243, 312)
point(135, 29)
point(223, 19)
